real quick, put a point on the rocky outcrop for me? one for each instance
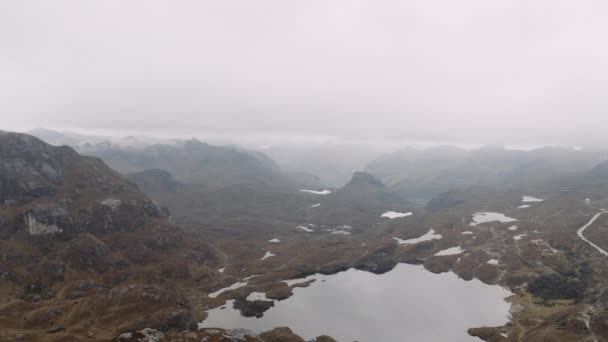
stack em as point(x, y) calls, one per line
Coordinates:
point(280, 334)
point(111, 215)
point(252, 308)
point(216, 335)
point(30, 168)
point(48, 221)
point(83, 253)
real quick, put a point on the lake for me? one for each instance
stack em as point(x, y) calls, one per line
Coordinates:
point(408, 303)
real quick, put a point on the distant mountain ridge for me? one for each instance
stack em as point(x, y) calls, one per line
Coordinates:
point(189, 161)
point(333, 163)
point(422, 174)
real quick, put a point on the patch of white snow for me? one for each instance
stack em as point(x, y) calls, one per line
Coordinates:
point(306, 229)
point(430, 235)
point(323, 192)
point(485, 217)
point(528, 199)
point(519, 237)
point(394, 214)
point(257, 296)
point(450, 251)
point(267, 255)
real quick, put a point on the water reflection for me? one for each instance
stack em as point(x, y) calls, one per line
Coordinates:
point(406, 304)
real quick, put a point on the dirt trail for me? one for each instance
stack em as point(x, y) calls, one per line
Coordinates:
point(583, 228)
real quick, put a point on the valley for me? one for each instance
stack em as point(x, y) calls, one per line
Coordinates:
point(77, 235)
point(303, 171)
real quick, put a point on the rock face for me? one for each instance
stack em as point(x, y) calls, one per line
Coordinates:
point(57, 192)
point(80, 247)
point(29, 168)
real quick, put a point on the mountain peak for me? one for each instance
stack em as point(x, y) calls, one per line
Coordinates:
point(360, 178)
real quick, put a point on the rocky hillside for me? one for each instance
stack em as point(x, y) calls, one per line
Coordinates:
point(84, 255)
point(236, 212)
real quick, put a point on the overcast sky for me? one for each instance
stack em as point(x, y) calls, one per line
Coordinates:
point(509, 71)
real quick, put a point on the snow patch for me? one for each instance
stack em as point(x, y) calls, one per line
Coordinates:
point(257, 296)
point(493, 262)
point(519, 237)
point(323, 192)
point(292, 282)
point(528, 199)
point(512, 228)
point(524, 206)
point(234, 286)
point(274, 240)
point(306, 229)
point(315, 205)
point(394, 214)
point(468, 232)
point(450, 251)
point(267, 255)
point(485, 217)
point(430, 235)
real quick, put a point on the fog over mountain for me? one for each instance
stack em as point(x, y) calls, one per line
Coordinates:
point(280, 170)
point(472, 71)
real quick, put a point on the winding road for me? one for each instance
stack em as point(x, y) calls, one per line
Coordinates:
point(582, 229)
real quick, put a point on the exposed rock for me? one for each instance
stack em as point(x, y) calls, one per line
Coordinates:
point(48, 221)
point(255, 308)
point(65, 217)
point(324, 338)
point(145, 335)
point(111, 203)
point(112, 215)
point(280, 335)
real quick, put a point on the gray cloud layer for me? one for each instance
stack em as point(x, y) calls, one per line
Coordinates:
point(514, 71)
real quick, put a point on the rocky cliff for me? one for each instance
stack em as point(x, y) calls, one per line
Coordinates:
point(83, 254)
